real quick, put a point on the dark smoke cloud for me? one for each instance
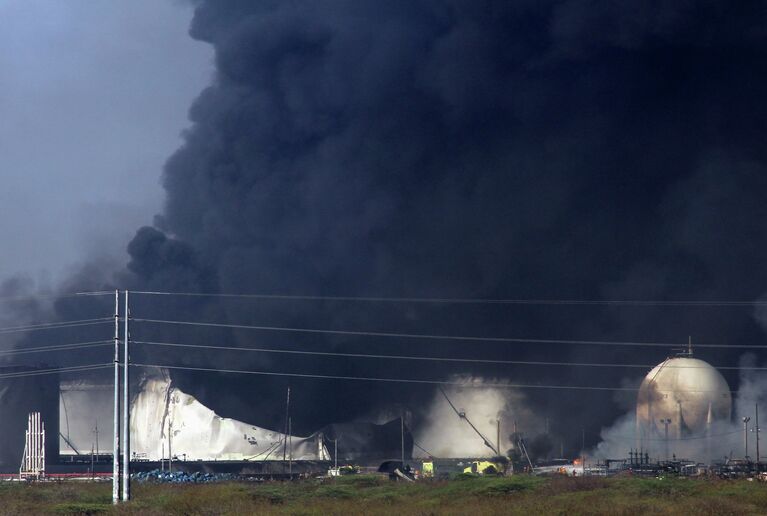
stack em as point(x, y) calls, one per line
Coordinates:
point(547, 149)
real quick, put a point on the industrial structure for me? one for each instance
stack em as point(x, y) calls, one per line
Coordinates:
point(168, 425)
point(20, 395)
point(155, 422)
point(679, 399)
point(33, 459)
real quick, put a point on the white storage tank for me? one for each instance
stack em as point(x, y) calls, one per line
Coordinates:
point(680, 398)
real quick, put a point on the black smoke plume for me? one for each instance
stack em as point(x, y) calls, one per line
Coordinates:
point(490, 149)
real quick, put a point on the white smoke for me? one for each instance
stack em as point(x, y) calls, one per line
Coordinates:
point(85, 415)
point(445, 434)
point(617, 441)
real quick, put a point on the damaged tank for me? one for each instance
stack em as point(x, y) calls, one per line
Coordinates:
point(681, 397)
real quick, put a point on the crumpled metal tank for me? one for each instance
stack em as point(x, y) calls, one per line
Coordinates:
point(686, 392)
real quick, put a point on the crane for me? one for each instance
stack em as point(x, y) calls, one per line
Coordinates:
point(462, 415)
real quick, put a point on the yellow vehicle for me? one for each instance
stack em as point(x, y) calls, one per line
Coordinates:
point(485, 467)
point(443, 468)
point(349, 469)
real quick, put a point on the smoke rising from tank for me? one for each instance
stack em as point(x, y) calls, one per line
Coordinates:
point(444, 434)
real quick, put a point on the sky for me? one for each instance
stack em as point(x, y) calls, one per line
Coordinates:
point(93, 96)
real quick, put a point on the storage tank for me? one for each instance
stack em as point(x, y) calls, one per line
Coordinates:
point(679, 398)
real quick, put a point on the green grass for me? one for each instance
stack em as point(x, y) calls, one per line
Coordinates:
point(81, 508)
point(373, 494)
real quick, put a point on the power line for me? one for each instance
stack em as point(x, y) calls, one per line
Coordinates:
point(56, 347)
point(56, 325)
point(37, 372)
point(437, 300)
point(405, 380)
point(427, 452)
point(54, 296)
point(432, 358)
point(440, 337)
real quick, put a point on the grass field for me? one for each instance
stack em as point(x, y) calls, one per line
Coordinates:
point(376, 495)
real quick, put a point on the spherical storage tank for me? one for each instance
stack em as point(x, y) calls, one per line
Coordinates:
point(682, 396)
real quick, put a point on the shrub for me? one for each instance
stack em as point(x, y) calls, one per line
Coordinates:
point(343, 492)
point(362, 480)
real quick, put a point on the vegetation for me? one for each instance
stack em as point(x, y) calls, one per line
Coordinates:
point(365, 494)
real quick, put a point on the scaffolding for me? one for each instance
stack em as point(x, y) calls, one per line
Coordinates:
point(33, 460)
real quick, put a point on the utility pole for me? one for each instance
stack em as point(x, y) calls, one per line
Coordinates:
point(746, 419)
point(96, 431)
point(583, 449)
point(758, 458)
point(402, 437)
point(94, 458)
point(126, 405)
point(335, 454)
point(290, 444)
point(116, 429)
point(287, 419)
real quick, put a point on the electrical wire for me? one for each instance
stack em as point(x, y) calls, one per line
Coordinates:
point(56, 325)
point(441, 337)
point(436, 359)
point(427, 452)
point(55, 296)
point(437, 300)
point(407, 380)
point(38, 372)
point(56, 347)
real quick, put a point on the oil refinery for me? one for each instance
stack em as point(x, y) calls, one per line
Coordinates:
point(682, 400)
